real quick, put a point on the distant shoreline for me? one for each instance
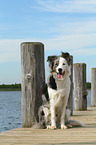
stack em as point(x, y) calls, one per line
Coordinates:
point(12, 87)
point(8, 89)
point(17, 87)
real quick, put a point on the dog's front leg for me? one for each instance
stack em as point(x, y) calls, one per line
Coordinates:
point(63, 126)
point(53, 117)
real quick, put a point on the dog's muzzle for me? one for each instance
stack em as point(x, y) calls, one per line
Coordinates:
point(60, 73)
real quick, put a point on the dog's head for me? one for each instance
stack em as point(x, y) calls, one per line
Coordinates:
point(60, 65)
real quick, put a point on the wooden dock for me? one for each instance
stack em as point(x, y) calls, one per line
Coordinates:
point(29, 136)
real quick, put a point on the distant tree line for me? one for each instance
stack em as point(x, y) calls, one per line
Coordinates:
point(18, 87)
point(10, 87)
point(88, 85)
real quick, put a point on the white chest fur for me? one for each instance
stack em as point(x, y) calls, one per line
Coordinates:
point(63, 88)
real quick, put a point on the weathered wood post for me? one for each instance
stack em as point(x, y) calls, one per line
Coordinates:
point(80, 92)
point(70, 100)
point(33, 75)
point(93, 87)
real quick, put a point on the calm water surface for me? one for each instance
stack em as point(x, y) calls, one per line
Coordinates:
point(10, 109)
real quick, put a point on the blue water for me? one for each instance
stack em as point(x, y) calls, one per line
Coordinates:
point(10, 109)
point(89, 98)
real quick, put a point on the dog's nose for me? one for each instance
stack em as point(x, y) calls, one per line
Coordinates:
point(60, 69)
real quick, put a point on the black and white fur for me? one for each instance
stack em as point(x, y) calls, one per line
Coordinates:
point(59, 91)
point(53, 113)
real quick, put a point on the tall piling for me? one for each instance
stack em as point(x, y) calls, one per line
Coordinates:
point(70, 100)
point(93, 87)
point(33, 75)
point(80, 89)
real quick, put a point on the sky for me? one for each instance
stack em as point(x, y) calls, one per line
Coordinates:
point(61, 25)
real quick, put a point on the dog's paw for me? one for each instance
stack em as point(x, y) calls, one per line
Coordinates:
point(53, 127)
point(48, 127)
point(63, 127)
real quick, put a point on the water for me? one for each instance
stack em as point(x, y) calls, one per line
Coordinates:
point(10, 109)
point(89, 98)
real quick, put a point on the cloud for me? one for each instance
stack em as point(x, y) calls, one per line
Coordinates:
point(73, 43)
point(77, 44)
point(9, 50)
point(62, 6)
point(78, 38)
point(85, 52)
point(78, 27)
point(74, 36)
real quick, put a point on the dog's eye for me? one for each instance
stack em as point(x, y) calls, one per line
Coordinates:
point(63, 63)
point(56, 64)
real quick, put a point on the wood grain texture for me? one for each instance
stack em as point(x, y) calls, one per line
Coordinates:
point(80, 92)
point(93, 87)
point(33, 76)
point(74, 136)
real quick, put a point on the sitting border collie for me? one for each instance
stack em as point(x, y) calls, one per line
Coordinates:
point(53, 113)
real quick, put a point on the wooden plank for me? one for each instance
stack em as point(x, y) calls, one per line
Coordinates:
point(29, 136)
point(33, 77)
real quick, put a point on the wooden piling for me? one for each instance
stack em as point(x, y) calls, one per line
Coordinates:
point(93, 87)
point(80, 92)
point(33, 76)
point(70, 100)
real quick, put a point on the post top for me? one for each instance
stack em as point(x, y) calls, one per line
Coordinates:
point(34, 43)
point(94, 68)
point(80, 64)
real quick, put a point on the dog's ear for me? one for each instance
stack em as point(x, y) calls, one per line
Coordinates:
point(51, 58)
point(67, 56)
